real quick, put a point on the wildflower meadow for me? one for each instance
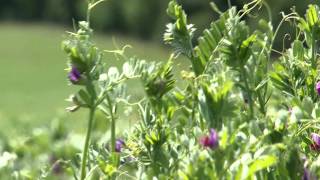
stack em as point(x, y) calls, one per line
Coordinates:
point(241, 109)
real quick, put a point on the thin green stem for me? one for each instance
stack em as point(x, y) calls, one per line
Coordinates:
point(284, 19)
point(88, 16)
point(261, 103)
point(193, 60)
point(313, 49)
point(229, 4)
point(266, 5)
point(113, 130)
point(314, 63)
point(113, 124)
point(246, 84)
point(86, 144)
point(91, 5)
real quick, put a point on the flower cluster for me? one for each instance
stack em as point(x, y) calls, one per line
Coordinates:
point(119, 145)
point(84, 56)
point(211, 140)
point(315, 142)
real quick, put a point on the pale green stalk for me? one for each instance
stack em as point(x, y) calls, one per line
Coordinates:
point(86, 144)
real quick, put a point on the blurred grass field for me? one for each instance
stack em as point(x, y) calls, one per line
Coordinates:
point(33, 81)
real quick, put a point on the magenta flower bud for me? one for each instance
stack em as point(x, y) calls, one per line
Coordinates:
point(210, 141)
point(315, 142)
point(74, 75)
point(318, 88)
point(119, 144)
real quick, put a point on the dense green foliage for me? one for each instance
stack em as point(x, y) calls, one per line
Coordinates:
point(237, 115)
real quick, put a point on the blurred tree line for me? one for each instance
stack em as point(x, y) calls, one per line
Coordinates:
point(143, 18)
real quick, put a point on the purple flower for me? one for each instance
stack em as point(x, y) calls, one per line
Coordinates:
point(210, 141)
point(318, 87)
point(307, 175)
point(119, 144)
point(56, 165)
point(315, 142)
point(74, 75)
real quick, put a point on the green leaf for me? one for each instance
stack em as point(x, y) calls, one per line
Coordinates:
point(210, 40)
point(84, 97)
point(281, 80)
point(214, 104)
point(159, 82)
point(261, 163)
point(244, 52)
point(179, 34)
point(298, 50)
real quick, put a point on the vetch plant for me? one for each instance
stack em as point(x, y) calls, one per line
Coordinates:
point(98, 90)
point(85, 68)
point(238, 113)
